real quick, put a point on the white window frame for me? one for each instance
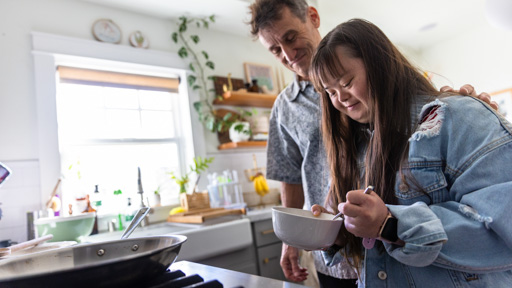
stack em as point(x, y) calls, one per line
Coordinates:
point(50, 50)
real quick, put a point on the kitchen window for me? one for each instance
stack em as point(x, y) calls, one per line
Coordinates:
point(174, 135)
point(110, 124)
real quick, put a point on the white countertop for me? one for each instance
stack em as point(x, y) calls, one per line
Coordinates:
point(260, 213)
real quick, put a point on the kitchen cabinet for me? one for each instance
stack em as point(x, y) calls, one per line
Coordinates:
point(240, 260)
point(268, 249)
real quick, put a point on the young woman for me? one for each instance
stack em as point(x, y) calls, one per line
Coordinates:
point(441, 167)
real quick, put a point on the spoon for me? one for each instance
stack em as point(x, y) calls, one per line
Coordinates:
point(13, 248)
point(368, 190)
point(135, 222)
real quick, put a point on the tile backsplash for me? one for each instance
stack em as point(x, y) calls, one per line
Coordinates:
point(18, 195)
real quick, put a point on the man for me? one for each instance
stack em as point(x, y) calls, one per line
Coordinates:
point(295, 153)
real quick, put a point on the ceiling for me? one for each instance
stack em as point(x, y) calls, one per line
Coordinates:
point(414, 24)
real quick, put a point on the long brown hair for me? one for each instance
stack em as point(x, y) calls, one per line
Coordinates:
point(392, 83)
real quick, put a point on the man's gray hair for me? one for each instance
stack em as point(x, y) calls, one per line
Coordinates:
point(266, 12)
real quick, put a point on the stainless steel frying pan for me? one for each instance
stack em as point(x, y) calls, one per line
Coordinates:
point(127, 263)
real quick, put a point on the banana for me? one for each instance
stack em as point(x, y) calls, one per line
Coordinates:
point(264, 185)
point(260, 185)
point(257, 185)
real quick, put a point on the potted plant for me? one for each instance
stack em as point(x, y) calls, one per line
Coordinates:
point(200, 164)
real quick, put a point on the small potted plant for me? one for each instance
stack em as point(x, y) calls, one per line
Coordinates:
point(200, 164)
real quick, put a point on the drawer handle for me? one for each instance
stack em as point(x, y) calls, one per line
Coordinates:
point(267, 259)
point(269, 231)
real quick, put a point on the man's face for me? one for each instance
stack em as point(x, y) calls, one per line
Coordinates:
point(293, 42)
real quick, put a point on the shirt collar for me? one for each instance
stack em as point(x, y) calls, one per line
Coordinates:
point(296, 87)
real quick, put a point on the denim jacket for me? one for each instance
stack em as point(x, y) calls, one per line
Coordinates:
point(460, 234)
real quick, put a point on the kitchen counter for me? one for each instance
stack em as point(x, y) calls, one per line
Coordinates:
point(230, 279)
point(260, 213)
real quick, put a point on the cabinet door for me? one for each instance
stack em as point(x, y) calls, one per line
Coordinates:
point(268, 261)
point(264, 233)
point(243, 260)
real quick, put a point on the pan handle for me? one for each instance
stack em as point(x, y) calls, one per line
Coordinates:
point(135, 222)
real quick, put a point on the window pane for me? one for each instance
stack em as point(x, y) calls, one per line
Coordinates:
point(94, 114)
point(157, 124)
point(114, 167)
point(123, 124)
point(155, 100)
point(120, 98)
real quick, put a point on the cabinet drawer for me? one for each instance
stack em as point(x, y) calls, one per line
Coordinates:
point(264, 233)
point(268, 261)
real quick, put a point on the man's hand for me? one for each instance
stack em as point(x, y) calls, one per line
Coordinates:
point(468, 90)
point(290, 264)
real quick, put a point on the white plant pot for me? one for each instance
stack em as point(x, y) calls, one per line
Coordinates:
point(239, 136)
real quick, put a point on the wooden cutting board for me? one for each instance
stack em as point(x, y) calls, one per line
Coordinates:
point(201, 215)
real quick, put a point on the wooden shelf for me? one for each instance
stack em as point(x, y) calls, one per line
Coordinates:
point(246, 99)
point(244, 144)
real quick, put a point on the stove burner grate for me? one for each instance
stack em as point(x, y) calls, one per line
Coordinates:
point(178, 279)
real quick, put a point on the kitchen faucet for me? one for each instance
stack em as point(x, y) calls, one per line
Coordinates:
point(145, 222)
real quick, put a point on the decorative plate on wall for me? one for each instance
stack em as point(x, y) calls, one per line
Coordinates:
point(138, 40)
point(106, 31)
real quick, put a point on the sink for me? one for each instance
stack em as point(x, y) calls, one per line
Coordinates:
point(203, 240)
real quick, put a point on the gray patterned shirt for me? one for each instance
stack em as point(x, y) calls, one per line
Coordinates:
point(296, 155)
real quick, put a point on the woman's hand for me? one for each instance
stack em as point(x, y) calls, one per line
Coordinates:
point(317, 210)
point(364, 213)
point(340, 239)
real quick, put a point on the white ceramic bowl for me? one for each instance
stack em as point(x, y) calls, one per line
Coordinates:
point(66, 228)
point(299, 228)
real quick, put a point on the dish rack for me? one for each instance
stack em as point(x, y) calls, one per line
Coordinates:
point(225, 190)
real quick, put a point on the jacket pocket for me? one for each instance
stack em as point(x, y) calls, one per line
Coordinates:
point(422, 178)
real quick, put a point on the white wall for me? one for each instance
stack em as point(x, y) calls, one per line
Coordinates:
point(481, 57)
point(19, 127)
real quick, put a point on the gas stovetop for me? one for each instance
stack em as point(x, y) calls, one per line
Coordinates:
point(178, 279)
point(227, 278)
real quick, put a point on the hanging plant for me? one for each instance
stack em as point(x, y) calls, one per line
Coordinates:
point(199, 63)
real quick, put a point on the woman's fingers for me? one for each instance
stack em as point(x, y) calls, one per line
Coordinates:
point(317, 210)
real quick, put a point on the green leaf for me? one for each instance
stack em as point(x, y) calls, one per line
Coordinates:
point(183, 52)
point(205, 55)
point(210, 124)
point(197, 106)
point(191, 66)
point(211, 78)
point(205, 24)
point(220, 127)
point(195, 87)
point(183, 27)
point(174, 37)
point(219, 97)
point(210, 64)
point(227, 116)
point(191, 80)
point(195, 38)
point(212, 18)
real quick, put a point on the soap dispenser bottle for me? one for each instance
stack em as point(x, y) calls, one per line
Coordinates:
point(96, 199)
